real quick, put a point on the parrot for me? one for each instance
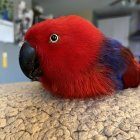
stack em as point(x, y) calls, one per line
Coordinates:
point(73, 58)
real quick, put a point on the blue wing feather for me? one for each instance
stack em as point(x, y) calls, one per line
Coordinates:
point(111, 57)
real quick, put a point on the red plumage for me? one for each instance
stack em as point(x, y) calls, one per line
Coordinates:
point(71, 67)
point(131, 77)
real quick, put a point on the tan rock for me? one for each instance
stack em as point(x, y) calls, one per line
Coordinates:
point(12, 112)
point(36, 127)
point(137, 136)
point(2, 123)
point(99, 126)
point(9, 137)
point(83, 135)
point(92, 133)
point(18, 135)
point(25, 136)
point(2, 135)
point(99, 137)
point(34, 114)
point(108, 131)
point(125, 126)
point(112, 138)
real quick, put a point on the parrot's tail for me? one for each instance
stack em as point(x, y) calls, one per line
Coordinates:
point(131, 77)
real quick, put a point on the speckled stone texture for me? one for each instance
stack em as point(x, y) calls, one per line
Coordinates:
point(28, 112)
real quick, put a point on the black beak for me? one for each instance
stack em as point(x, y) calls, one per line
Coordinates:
point(29, 62)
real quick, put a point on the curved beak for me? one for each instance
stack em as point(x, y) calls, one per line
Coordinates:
point(29, 62)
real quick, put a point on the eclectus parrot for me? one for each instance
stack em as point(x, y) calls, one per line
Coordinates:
point(74, 59)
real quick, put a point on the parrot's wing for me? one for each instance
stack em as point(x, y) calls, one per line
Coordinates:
point(131, 77)
point(112, 58)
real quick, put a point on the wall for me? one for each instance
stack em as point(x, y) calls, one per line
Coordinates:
point(87, 14)
point(64, 7)
point(116, 28)
point(13, 73)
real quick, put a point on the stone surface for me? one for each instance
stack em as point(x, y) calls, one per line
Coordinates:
point(2, 123)
point(28, 112)
point(99, 137)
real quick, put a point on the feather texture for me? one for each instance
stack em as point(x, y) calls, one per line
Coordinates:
point(131, 77)
point(83, 63)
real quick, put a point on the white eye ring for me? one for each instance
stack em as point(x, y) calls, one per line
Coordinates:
point(54, 38)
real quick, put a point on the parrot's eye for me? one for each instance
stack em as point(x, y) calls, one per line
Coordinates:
point(54, 38)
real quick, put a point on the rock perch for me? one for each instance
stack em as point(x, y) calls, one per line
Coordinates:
point(28, 112)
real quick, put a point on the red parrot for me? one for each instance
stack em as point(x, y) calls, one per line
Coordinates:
point(74, 59)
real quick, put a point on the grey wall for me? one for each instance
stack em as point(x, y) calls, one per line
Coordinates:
point(102, 8)
point(63, 7)
point(116, 28)
point(13, 73)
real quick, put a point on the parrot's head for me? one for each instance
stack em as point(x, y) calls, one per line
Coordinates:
point(60, 48)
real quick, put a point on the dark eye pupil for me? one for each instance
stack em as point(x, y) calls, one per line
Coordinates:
point(53, 37)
